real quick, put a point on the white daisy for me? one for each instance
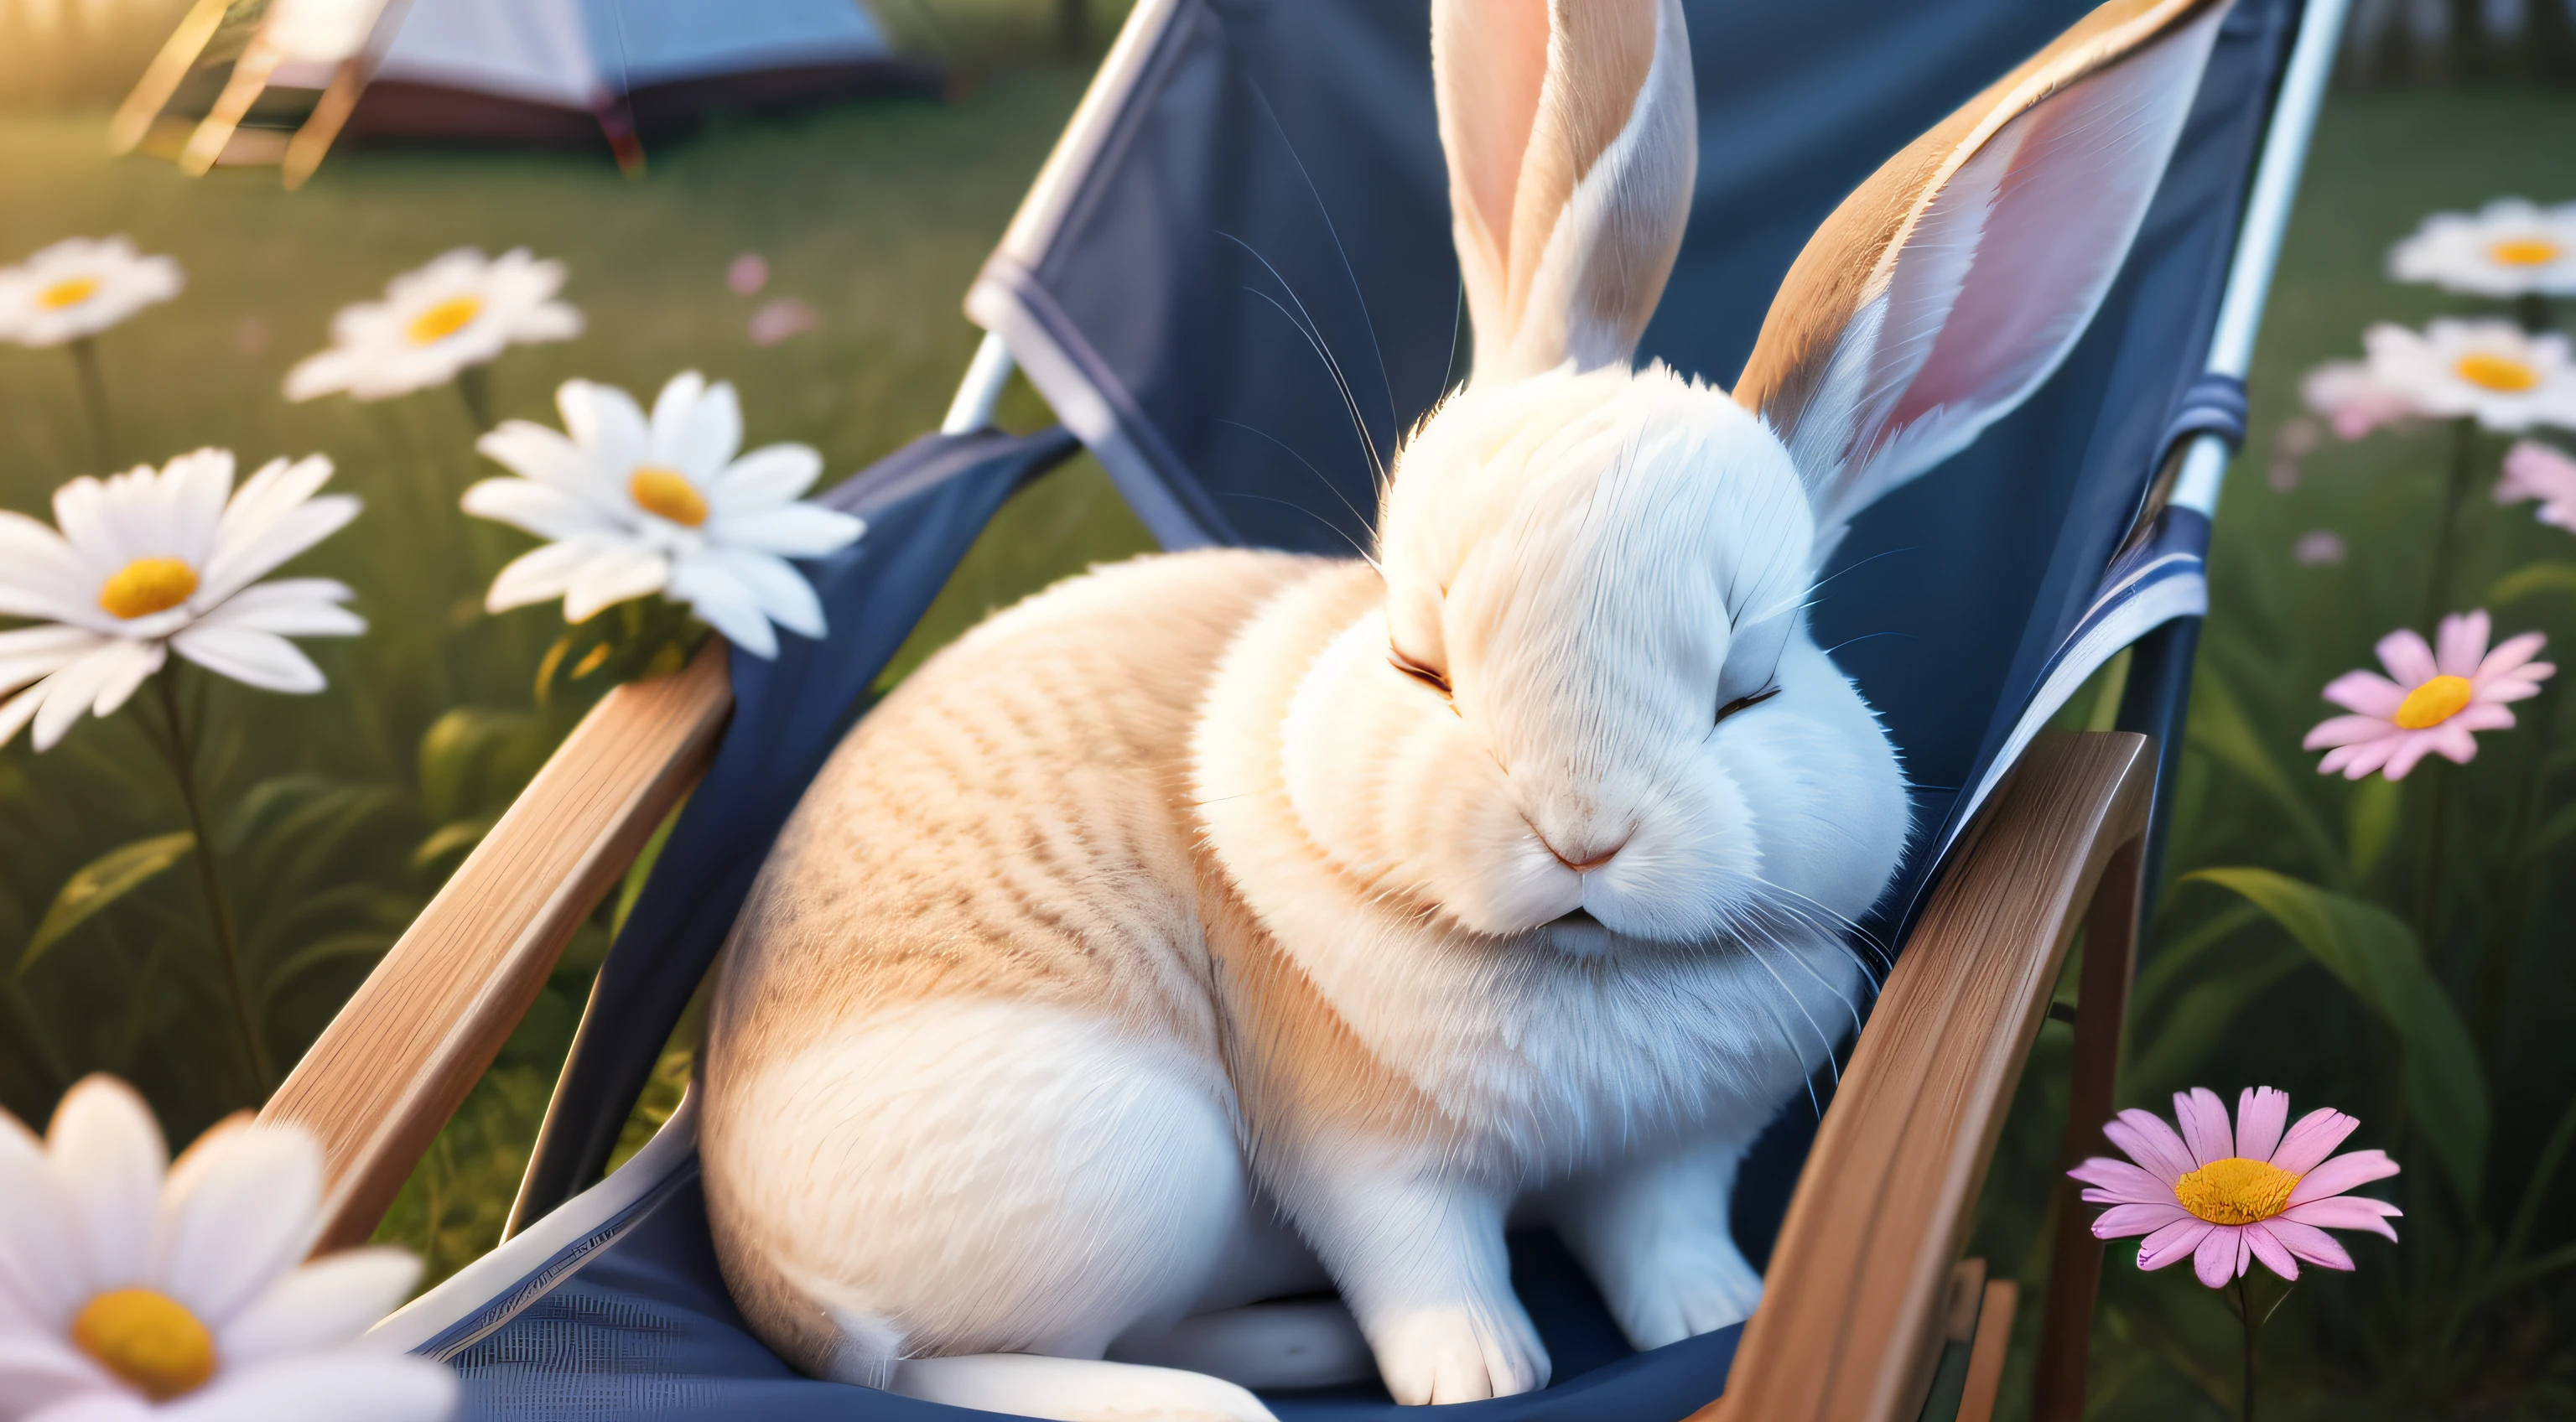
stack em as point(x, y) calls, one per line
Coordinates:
point(2509, 248)
point(146, 562)
point(638, 507)
point(462, 309)
point(2489, 369)
point(135, 1290)
point(79, 287)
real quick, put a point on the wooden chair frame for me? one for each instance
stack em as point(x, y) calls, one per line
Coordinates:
point(1863, 1287)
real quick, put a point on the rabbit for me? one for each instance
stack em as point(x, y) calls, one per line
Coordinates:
point(1225, 925)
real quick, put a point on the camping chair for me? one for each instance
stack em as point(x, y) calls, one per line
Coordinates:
point(1232, 279)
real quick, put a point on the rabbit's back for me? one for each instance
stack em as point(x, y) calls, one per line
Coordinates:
point(1010, 822)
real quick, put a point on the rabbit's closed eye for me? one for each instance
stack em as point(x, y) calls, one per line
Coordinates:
point(1437, 681)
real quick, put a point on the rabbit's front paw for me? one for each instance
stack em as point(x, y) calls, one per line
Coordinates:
point(1459, 1353)
point(1682, 1289)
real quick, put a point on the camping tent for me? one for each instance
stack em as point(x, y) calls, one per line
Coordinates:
point(539, 70)
point(508, 70)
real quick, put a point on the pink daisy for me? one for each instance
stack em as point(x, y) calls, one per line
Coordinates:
point(2533, 470)
point(2353, 400)
point(2227, 1198)
point(2436, 703)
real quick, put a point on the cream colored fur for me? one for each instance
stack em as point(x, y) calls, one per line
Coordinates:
point(1220, 926)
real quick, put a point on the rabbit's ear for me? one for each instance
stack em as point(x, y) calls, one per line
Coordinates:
point(1572, 140)
point(1947, 287)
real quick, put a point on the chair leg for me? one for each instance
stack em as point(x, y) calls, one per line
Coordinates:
point(2075, 1258)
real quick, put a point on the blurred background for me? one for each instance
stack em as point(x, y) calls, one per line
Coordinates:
point(811, 240)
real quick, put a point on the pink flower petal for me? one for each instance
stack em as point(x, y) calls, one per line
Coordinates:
point(2179, 1240)
point(2412, 747)
point(2348, 731)
point(2512, 652)
point(2407, 658)
point(2221, 1255)
point(2308, 1242)
point(2342, 1173)
point(2356, 761)
point(2264, 1245)
point(2482, 717)
point(2313, 1139)
point(2366, 692)
point(2121, 1221)
point(2262, 1113)
point(2121, 1183)
point(2203, 1118)
point(2342, 1212)
point(2152, 1143)
point(2533, 470)
point(2463, 642)
point(2512, 686)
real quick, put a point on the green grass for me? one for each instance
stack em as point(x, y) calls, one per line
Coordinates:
point(347, 808)
point(2233, 1002)
point(341, 813)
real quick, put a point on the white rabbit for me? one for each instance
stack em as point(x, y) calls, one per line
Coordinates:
point(1222, 924)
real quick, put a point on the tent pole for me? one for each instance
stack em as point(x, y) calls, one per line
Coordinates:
point(981, 390)
point(168, 69)
point(321, 128)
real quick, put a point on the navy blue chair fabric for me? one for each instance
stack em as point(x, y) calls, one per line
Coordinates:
point(640, 1325)
point(1254, 279)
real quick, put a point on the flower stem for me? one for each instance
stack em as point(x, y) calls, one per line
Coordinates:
point(93, 388)
point(2253, 1328)
point(183, 766)
point(474, 387)
point(2428, 879)
point(2464, 449)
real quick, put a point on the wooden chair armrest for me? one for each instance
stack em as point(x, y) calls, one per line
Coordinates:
point(1849, 1315)
point(383, 1078)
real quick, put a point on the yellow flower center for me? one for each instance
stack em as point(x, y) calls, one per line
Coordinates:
point(667, 494)
point(2525, 251)
point(443, 320)
point(2236, 1191)
point(70, 291)
point(147, 1338)
point(2497, 372)
point(146, 586)
point(2433, 703)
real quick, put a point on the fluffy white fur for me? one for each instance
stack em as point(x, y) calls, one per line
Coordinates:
point(1217, 926)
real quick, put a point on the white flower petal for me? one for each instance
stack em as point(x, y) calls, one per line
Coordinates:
point(325, 372)
point(37, 1372)
point(781, 592)
point(726, 605)
point(544, 574)
point(42, 1272)
point(36, 563)
point(290, 607)
point(534, 452)
point(261, 659)
point(106, 1154)
point(129, 663)
point(81, 511)
point(18, 710)
point(237, 564)
point(75, 689)
point(194, 487)
point(791, 530)
point(612, 577)
point(31, 652)
point(268, 495)
point(699, 434)
point(109, 1404)
point(328, 1387)
point(323, 1304)
point(764, 479)
point(240, 1219)
point(606, 421)
point(546, 511)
